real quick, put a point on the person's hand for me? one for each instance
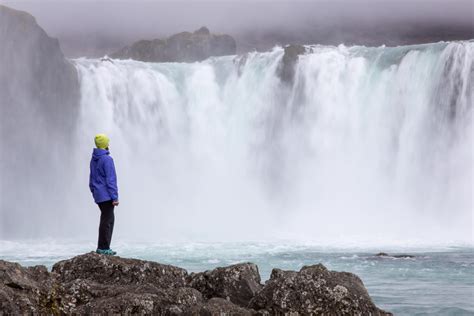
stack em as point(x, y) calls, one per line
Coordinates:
point(115, 203)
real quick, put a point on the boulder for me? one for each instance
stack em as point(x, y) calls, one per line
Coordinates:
point(314, 290)
point(119, 271)
point(237, 283)
point(93, 283)
point(181, 47)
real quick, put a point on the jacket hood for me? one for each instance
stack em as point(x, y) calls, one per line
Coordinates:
point(97, 153)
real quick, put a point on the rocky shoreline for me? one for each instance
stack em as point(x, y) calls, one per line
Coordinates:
point(99, 284)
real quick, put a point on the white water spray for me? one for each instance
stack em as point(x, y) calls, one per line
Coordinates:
point(366, 144)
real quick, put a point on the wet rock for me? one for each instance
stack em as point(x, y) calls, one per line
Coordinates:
point(181, 47)
point(403, 256)
point(286, 69)
point(400, 256)
point(240, 62)
point(106, 59)
point(237, 283)
point(314, 290)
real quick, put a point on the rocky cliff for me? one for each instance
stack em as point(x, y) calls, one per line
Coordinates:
point(34, 72)
point(181, 47)
point(39, 95)
point(98, 284)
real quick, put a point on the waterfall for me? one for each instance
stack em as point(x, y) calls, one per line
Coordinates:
point(364, 144)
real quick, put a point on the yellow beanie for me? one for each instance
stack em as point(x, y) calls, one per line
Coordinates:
point(101, 141)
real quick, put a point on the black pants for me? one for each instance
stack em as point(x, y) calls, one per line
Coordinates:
point(106, 226)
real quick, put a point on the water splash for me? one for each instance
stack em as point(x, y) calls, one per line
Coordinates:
point(366, 143)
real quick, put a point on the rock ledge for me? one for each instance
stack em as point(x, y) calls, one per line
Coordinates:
point(181, 47)
point(98, 284)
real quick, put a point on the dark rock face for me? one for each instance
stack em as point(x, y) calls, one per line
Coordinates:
point(219, 306)
point(24, 290)
point(93, 283)
point(139, 300)
point(237, 283)
point(98, 284)
point(181, 47)
point(314, 290)
point(286, 70)
point(39, 96)
point(34, 70)
point(401, 256)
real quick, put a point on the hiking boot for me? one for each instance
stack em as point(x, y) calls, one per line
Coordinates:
point(109, 252)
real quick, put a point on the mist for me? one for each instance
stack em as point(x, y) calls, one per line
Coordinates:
point(370, 141)
point(96, 28)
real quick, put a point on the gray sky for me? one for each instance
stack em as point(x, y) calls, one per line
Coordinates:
point(97, 26)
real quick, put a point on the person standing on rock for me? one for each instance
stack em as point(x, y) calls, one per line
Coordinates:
point(103, 185)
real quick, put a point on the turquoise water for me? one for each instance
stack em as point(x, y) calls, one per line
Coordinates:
point(439, 280)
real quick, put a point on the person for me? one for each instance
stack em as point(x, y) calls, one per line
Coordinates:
point(103, 185)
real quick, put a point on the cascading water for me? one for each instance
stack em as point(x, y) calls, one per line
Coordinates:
point(366, 144)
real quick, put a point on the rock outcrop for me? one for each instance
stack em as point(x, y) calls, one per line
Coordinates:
point(24, 290)
point(119, 271)
point(98, 284)
point(34, 72)
point(314, 290)
point(218, 307)
point(286, 69)
point(181, 47)
point(400, 256)
point(237, 283)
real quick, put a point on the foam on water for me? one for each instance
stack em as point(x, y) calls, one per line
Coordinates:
point(439, 280)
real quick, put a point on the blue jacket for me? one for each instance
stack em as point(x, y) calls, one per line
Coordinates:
point(103, 180)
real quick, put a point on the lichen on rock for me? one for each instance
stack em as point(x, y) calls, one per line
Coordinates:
point(314, 290)
point(237, 283)
point(99, 284)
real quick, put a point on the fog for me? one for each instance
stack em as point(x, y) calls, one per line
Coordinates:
point(95, 28)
